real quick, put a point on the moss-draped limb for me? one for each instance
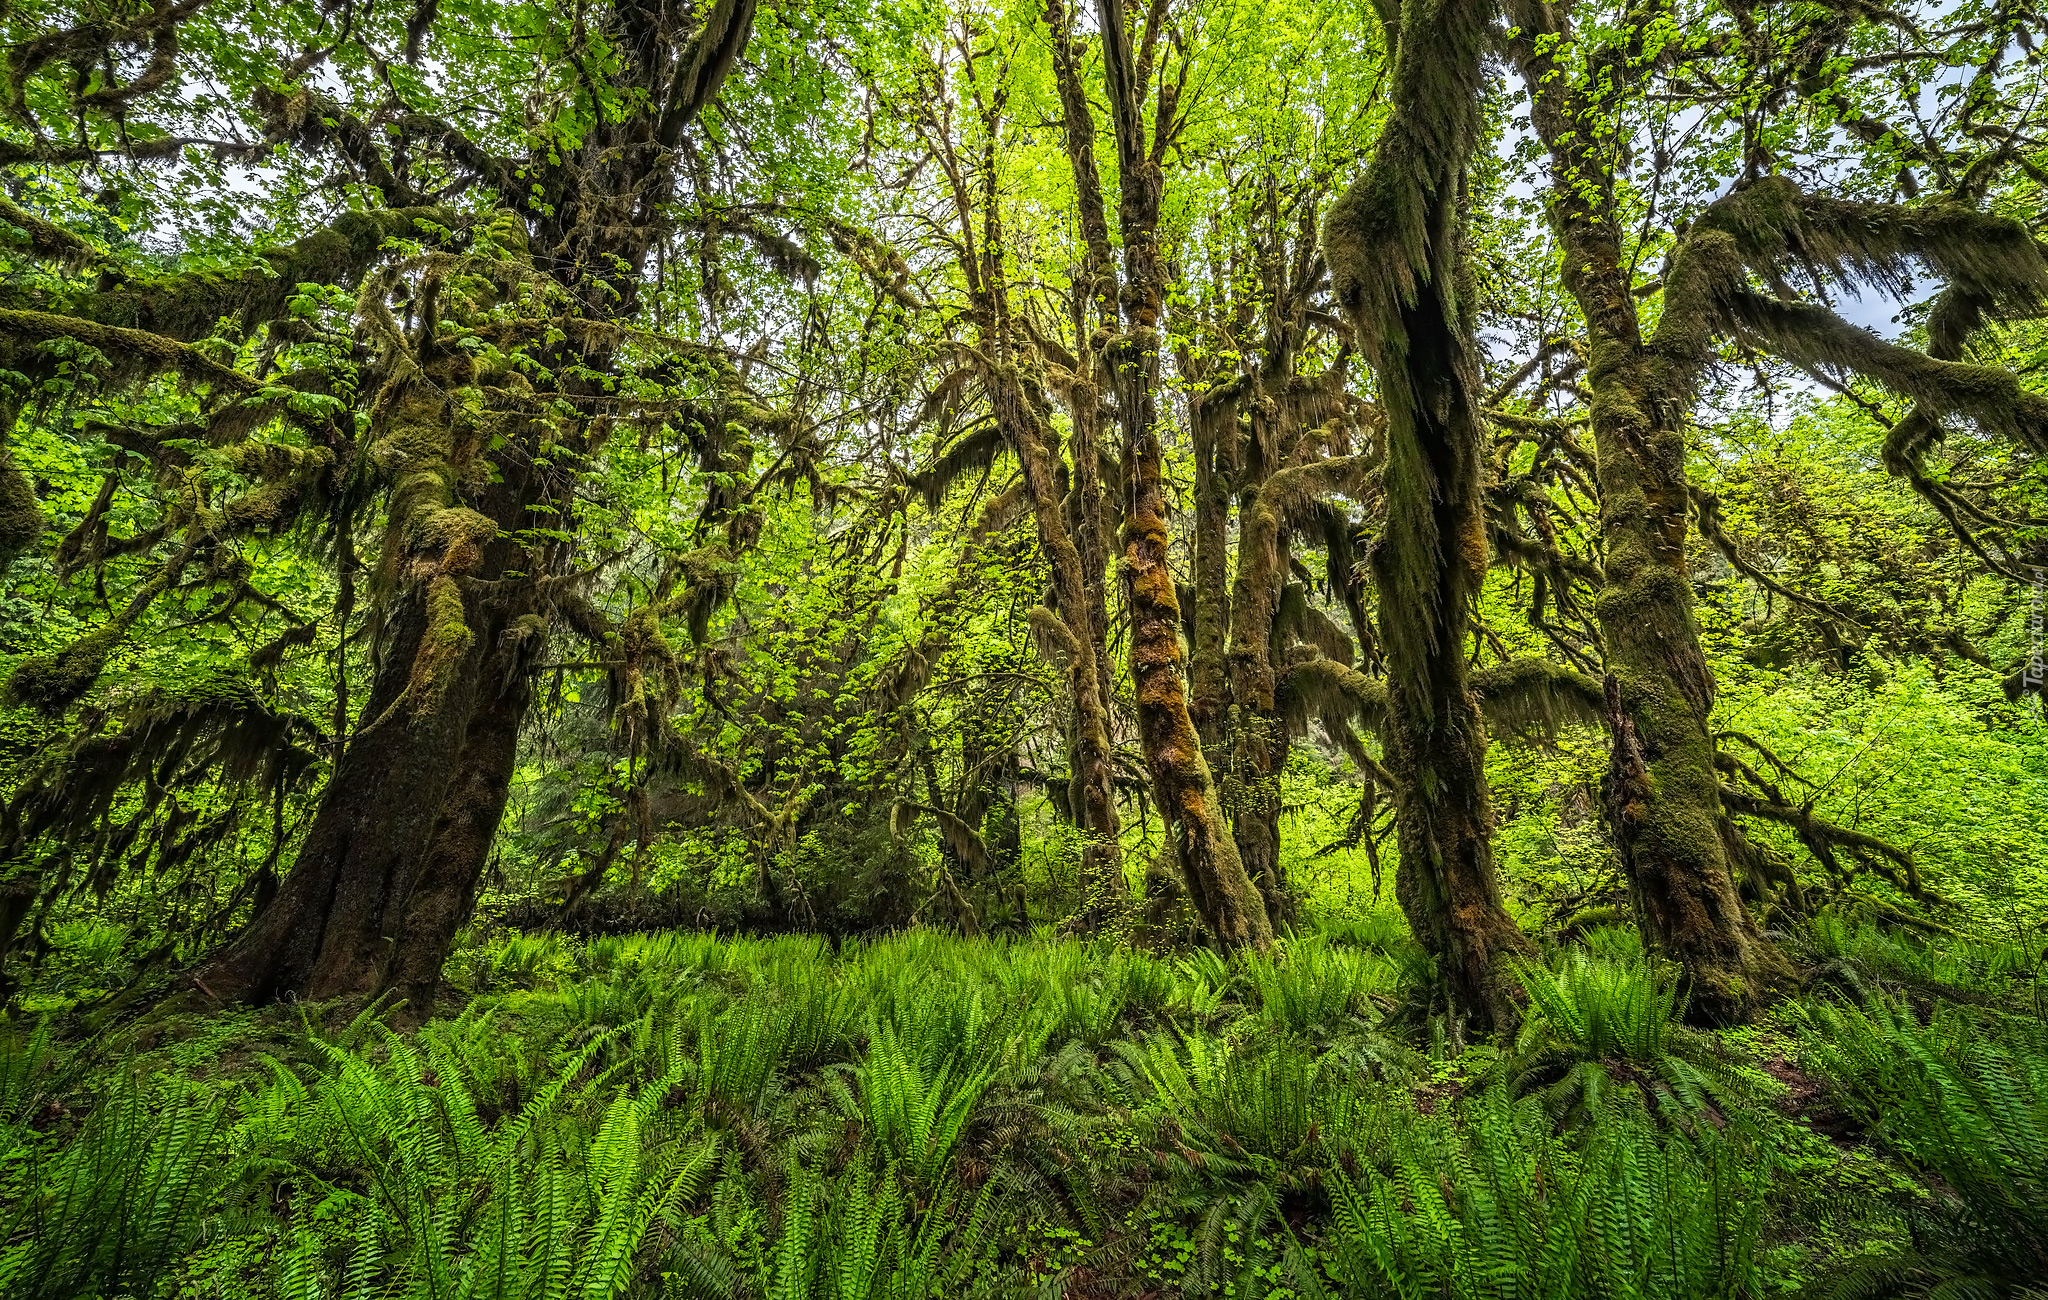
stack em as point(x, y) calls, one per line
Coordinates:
point(1816, 338)
point(1394, 246)
point(134, 353)
point(45, 240)
point(186, 306)
point(1317, 687)
point(1531, 696)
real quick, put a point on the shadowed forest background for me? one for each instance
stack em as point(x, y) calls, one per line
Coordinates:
point(1113, 649)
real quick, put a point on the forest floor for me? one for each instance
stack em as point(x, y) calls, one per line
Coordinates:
point(689, 1114)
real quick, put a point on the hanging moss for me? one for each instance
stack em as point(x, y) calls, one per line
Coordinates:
point(1395, 244)
point(186, 307)
point(1535, 697)
point(51, 683)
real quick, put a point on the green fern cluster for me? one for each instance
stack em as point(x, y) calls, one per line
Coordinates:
point(1605, 1029)
point(111, 1210)
point(1965, 1106)
point(925, 1115)
point(1489, 1204)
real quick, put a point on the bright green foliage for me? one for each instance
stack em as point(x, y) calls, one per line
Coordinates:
point(774, 965)
point(709, 1116)
point(1496, 1208)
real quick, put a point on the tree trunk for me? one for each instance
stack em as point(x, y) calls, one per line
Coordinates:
point(1428, 566)
point(1663, 791)
point(1394, 243)
point(1213, 418)
point(443, 892)
point(339, 921)
point(1254, 737)
point(324, 933)
point(1092, 788)
point(1181, 781)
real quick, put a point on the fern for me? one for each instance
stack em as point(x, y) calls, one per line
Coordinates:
point(1970, 1113)
point(113, 1209)
point(1600, 1030)
point(1498, 1209)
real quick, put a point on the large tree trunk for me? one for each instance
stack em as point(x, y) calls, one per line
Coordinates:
point(1394, 243)
point(1663, 791)
point(325, 932)
point(1254, 737)
point(443, 891)
point(1428, 566)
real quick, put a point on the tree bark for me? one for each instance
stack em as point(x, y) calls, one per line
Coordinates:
point(1092, 758)
point(443, 892)
point(324, 933)
point(1213, 420)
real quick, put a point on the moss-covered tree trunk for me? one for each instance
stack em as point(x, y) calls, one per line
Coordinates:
point(21, 515)
point(1212, 417)
point(388, 869)
point(1662, 790)
point(443, 891)
point(324, 933)
point(1394, 246)
point(1071, 635)
point(1181, 780)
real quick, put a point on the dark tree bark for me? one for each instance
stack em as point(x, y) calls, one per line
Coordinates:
point(1394, 245)
point(323, 933)
point(443, 892)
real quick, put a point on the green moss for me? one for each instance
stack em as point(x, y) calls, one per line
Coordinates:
point(51, 683)
point(21, 515)
point(443, 646)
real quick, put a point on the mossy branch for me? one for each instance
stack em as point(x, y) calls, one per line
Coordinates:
point(136, 354)
point(1530, 697)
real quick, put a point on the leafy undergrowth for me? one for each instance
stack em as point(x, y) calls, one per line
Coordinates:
point(690, 1115)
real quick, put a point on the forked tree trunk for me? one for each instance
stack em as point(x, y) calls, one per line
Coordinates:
point(1428, 566)
point(1663, 790)
point(1394, 243)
